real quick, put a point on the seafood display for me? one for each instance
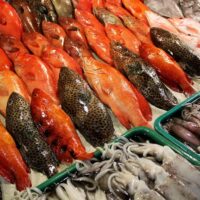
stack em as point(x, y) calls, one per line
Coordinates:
point(130, 170)
point(57, 128)
point(20, 125)
point(87, 112)
point(186, 126)
point(143, 76)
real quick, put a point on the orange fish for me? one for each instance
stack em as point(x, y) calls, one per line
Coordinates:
point(167, 68)
point(5, 63)
point(12, 166)
point(95, 34)
point(57, 128)
point(54, 33)
point(10, 82)
point(10, 22)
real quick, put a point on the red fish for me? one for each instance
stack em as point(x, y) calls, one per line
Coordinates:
point(85, 5)
point(56, 58)
point(57, 128)
point(138, 27)
point(54, 33)
point(10, 82)
point(95, 34)
point(12, 166)
point(167, 68)
point(74, 30)
point(5, 63)
point(120, 34)
point(137, 8)
point(36, 74)
point(12, 46)
point(10, 22)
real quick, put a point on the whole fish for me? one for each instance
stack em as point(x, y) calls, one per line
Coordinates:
point(187, 26)
point(86, 111)
point(136, 8)
point(143, 76)
point(28, 19)
point(43, 10)
point(12, 166)
point(9, 83)
point(57, 128)
point(169, 8)
point(54, 33)
point(33, 148)
point(95, 34)
point(5, 63)
point(64, 8)
point(74, 30)
point(56, 58)
point(10, 22)
point(140, 29)
point(167, 68)
point(12, 46)
point(177, 49)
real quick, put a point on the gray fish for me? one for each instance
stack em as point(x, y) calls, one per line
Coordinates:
point(143, 76)
point(34, 150)
point(86, 111)
point(177, 49)
point(64, 8)
point(106, 17)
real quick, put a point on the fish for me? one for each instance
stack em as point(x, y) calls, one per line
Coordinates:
point(139, 28)
point(114, 2)
point(43, 10)
point(169, 8)
point(85, 5)
point(11, 161)
point(55, 57)
point(187, 26)
point(136, 8)
point(74, 30)
point(10, 82)
point(36, 74)
point(10, 22)
point(124, 36)
point(143, 76)
point(95, 34)
point(64, 8)
point(57, 128)
point(54, 33)
point(33, 148)
point(86, 111)
point(12, 46)
point(28, 19)
point(167, 68)
point(177, 49)
point(5, 62)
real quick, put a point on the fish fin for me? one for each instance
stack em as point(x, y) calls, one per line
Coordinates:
point(122, 119)
point(144, 105)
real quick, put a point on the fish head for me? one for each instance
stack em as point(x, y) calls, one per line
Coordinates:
point(54, 33)
point(35, 42)
point(12, 46)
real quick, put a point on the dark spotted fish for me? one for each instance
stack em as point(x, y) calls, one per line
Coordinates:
point(177, 49)
point(143, 76)
point(34, 150)
point(27, 17)
point(43, 10)
point(86, 111)
point(64, 8)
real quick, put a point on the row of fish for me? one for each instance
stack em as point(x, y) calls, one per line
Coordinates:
point(47, 57)
point(129, 170)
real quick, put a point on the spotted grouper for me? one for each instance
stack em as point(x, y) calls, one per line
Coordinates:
point(34, 150)
point(143, 76)
point(177, 49)
point(86, 111)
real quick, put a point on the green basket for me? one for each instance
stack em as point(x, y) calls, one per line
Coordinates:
point(138, 134)
point(158, 125)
